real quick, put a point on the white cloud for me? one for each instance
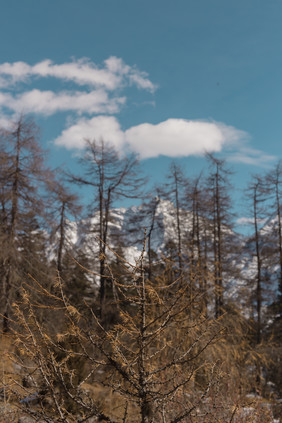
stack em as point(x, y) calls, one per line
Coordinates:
point(13, 72)
point(251, 156)
point(97, 93)
point(112, 75)
point(48, 102)
point(173, 137)
point(81, 72)
point(100, 127)
point(141, 81)
point(5, 122)
point(102, 95)
point(179, 137)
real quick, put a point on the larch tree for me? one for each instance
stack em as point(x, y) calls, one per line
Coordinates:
point(148, 216)
point(274, 191)
point(71, 261)
point(272, 331)
point(21, 174)
point(153, 210)
point(175, 188)
point(111, 177)
point(156, 364)
point(196, 197)
point(64, 205)
point(220, 206)
point(257, 198)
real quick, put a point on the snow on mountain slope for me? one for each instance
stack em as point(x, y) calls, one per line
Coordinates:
point(127, 228)
point(126, 232)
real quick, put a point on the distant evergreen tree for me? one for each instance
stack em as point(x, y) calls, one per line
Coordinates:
point(32, 245)
point(76, 278)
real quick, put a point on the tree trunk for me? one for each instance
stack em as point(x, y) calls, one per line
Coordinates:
point(62, 238)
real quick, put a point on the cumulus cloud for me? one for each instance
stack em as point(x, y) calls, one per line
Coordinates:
point(112, 75)
point(13, 72)
point(49, 102)
point(180, 137)
point(173, 137)
point(5, 122)
point(97, 93)
point(97, 128)
point(100, 94)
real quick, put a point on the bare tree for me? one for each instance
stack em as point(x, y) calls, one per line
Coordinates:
point(63, 205)
point(256, 193)
point(175, 187)
point(111, 177)
point(274, 192)
point(21, 174)
point(219, 203)
point(154, 205)
point(156, 365)
point(196, 197)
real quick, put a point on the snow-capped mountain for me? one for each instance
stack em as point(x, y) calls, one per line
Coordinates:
point(126, 231)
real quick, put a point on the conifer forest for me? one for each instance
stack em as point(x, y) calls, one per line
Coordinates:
point(156, 313)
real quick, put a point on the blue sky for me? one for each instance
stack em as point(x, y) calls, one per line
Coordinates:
point(160, 78)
